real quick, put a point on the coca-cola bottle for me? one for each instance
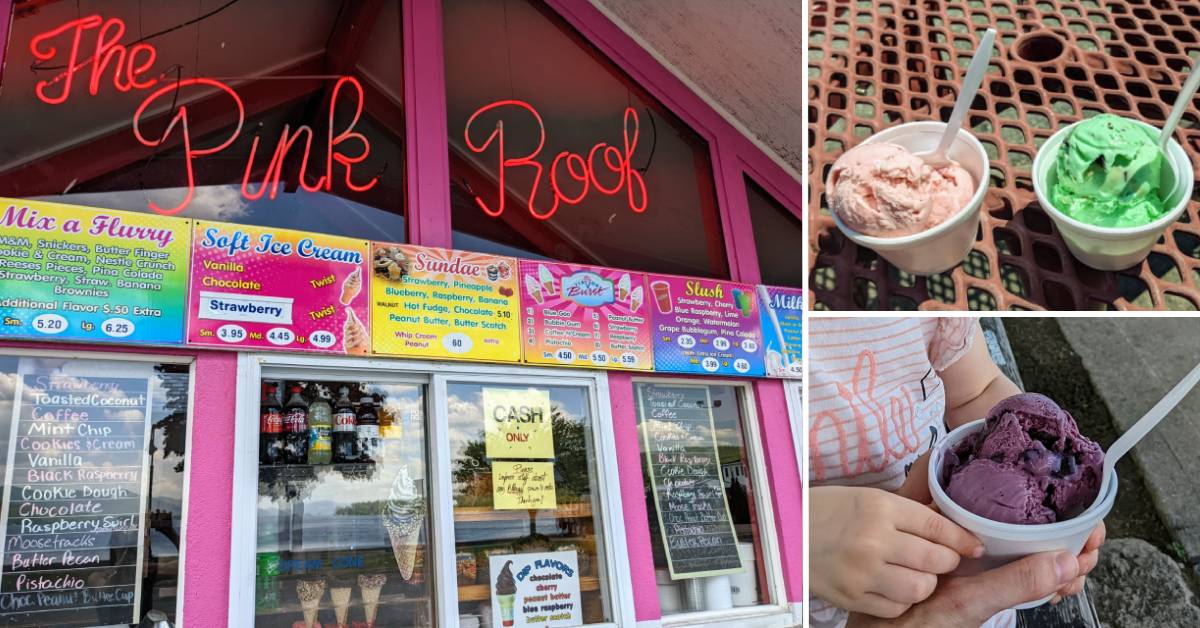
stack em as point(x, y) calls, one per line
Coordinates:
point(270, 427)
point(345, 432)
point(368, 429)
point(295, 428)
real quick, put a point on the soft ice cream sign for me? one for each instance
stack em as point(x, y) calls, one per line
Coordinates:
point(540, 589)
point(588, 289)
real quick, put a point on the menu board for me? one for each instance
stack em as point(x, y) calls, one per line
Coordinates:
point(782, 327)
point(265, 288)
point(705, 326)
point(679, 441)
point(73, 508)
point(585, 316)
point(436, 303)
point(76, 273)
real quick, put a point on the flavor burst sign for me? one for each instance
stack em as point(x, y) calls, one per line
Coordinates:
point(278, 289)
point(575, 315)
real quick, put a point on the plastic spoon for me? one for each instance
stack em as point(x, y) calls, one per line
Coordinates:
point(1167, 178)
point(1143, 427)
point(966, 95)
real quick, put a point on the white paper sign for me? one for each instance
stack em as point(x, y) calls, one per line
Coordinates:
point(538, 589)
point(246, 308)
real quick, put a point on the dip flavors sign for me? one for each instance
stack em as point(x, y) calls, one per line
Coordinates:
point(76, 273)
point(540, 589)
point(74, 499)
point(278, 289)
point(585, 316)
point(705, 326)
point(438, 303)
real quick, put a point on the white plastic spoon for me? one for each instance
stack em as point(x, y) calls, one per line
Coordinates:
point(1167, 178)
point(966, 95)
point(1143, 427)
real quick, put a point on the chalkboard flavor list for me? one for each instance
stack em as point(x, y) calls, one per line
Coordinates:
point(679, 442)
point(74, 503)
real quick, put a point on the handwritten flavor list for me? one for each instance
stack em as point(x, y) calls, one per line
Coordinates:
point(73, 508)
point(705, 326)
point(75, 273)
point(436, 303)
point(680, 446)
point(783, 327)
point(278, 289)
point(585, 316)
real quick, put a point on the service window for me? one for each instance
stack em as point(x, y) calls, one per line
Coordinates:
point(94, 461)
point(279, 114)
point(709, 512)
point(778, 236)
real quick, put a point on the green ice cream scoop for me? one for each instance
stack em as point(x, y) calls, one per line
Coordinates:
point(1109, 173)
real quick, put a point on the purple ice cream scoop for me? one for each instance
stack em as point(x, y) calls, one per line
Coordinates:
point(1029, 464)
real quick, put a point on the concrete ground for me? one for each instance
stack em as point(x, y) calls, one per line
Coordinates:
point(1107, 372)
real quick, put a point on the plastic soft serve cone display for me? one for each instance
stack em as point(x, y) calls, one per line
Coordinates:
point(341, 603)
point(310, 592)
point(403, 517)
point(371, 586)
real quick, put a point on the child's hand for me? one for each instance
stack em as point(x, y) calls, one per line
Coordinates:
point(878, 553)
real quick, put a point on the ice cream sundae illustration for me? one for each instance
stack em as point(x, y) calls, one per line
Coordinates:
point(310, 592)
point(355, 340)
point(390, 262)
point(403, 519)
point(351, 286)
point(506, 594)
point(371, 585)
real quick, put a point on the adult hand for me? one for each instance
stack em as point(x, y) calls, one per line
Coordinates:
point(916, 485)
point(878, 553)
point(972, 600)
point(1088, 559)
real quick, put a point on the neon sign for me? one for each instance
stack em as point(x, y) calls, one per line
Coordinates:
point(129, 65)
point(582, 171)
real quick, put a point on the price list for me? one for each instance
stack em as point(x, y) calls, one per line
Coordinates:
point(73, 509)
point(680, 446)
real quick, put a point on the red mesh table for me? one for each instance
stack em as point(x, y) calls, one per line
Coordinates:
point(875, 64)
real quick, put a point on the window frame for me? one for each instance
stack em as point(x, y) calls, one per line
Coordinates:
point(166, 358)
point(778, 613)
point(617, 582)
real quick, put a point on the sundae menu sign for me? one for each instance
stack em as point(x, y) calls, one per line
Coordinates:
point(73, 506)
point(437, 303)
point(585, 316)
point(705, 326)
point(267, 288)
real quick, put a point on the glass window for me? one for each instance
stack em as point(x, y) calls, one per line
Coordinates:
point(594, 170)
point(778, 237)
point(700, 497)
point(94, 468)
point(343, 511)
point(550, 494)
point(282, 115)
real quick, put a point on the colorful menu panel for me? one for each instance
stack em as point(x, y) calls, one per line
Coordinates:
point(437, 303)
point(705, 326)
point(263, 288)
point(74, 501)
point(782, 327)
point(539, 589)
point(76, 273)
point(585, 316)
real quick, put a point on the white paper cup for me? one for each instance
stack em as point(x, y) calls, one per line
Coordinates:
point(941, 248)
point(1005, 542)
point(1111, 248)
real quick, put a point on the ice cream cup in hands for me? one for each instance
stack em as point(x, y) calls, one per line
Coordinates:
point(1006, 542)
point(1113, 247)
point(946, 243)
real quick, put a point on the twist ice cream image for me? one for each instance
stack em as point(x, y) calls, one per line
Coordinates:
point(355, 339)
point(403, 519)
point(883, 190)
point(1028, 465)
point(506, 593)
point(351, 286)
point(1109, 173)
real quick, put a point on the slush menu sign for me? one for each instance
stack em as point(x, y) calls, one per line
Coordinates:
point(73, 509)
point(680, 445)
point(705, 326)
point(75, 273)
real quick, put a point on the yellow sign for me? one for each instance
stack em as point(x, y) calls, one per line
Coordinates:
point(517, 423)
point(523, 485)
point(437, 303)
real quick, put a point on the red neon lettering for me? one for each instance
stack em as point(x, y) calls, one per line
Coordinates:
point(125, 66)
point(581, 170)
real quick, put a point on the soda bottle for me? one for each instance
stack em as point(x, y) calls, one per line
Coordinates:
point(368, 428)
point(270, 427)
point(295, 428)
point(320, 431)
point(345, 432)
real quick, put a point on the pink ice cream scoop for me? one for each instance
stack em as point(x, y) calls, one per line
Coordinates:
point(883, 190)
point(1029, 464)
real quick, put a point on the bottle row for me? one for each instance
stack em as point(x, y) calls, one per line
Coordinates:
point(313, 430)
